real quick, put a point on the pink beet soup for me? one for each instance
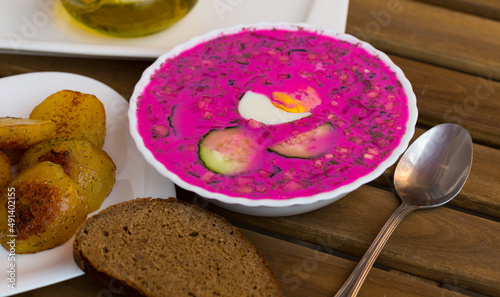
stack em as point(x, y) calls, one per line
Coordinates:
point(198, 91)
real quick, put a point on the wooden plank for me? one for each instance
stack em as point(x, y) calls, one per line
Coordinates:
point(440, 244)
point(309, 272)
point(484, 8)
point(301, 271)
point(480, 193)
point(444, 95)
point(429, 33)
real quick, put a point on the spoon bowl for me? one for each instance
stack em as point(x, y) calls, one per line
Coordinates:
point(435, 167)
point(431, 172)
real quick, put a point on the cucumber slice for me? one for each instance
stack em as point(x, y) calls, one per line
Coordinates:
point(309, 144)
point(228, 151)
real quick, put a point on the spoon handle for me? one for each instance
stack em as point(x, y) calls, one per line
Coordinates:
point(353, 283)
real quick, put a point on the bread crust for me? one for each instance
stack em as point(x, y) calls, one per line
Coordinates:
point(130, 289)
point(102, 277)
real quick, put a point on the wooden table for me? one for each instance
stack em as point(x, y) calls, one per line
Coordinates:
point(450, 51)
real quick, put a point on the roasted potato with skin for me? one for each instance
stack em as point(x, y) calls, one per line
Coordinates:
point(77, 115)
point(19, 133)
point(5, 170)
point(42, 207)
point(90, 167)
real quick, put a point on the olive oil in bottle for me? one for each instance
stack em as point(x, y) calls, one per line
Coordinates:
point(128, 18)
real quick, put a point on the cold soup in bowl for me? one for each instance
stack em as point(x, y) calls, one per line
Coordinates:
point(270, 113)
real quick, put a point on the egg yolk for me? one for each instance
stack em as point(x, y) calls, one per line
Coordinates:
point(303, 100)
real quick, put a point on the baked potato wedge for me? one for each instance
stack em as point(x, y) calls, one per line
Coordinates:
point(19, 133)
point(77, 115)
point(5, 170)
point(90, 167)
point(42, 207)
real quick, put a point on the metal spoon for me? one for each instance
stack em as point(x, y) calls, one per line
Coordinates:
point(431, 172)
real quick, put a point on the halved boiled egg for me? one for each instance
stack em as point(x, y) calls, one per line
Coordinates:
point(282, 108)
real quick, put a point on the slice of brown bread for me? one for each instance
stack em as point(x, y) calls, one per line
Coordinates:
point(166, 247)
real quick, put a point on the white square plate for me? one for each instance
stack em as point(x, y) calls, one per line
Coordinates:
point(44, 27)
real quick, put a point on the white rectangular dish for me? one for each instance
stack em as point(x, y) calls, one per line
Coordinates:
point(44, 27)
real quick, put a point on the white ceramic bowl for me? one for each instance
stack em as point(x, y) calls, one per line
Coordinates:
point(271, 207)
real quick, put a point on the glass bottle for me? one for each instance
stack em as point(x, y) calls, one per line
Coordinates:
point(128, 18)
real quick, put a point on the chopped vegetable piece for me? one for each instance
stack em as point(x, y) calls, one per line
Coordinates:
point(293, 186)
